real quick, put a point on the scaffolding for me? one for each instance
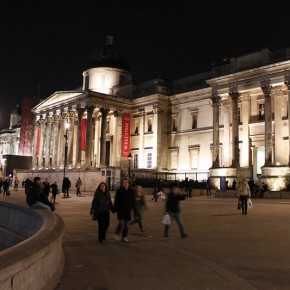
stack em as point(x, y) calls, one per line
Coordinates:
point(27, 126)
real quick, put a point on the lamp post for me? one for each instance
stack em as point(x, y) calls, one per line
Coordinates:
point(66, 125)
point(129, 162)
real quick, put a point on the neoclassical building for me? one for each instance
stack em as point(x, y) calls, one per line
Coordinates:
point(231, 122)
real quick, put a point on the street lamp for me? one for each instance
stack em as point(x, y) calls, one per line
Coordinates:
point(66, 125)
point(129, 162)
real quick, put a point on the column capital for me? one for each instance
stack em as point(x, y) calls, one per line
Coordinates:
point(80, 111)
point(234, 95)
point(267, 90)
point(90, 109)
point(49, 120)
point(36, 123)
point(63, 115)
point(42, 121)
point(104, 110)
point(287, 82)
point(56, 117)
point(71, 114)
point(215, 99)
point(244, 98)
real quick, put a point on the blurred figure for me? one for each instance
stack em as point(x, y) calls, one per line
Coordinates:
point(172, 208)
point(78, 186)
point(54, 191)
point(244, 194)
point(123, 205)
point(28, 182)
point(46, 187)
point(16, 183)
point(139, 205)
point(66, 185)
point(263, 189)
point(100, 209)
point(208, 187)
point(5, 187)
point(234, 186)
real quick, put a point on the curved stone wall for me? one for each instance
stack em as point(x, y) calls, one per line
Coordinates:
point(37, 260)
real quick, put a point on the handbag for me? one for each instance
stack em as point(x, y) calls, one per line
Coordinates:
point(239, 204)
point(166, 220)
point(250, 204)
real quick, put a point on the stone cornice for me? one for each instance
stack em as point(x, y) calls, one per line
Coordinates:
point(260, 72)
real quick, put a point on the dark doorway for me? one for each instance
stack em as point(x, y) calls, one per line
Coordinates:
point(108, 151)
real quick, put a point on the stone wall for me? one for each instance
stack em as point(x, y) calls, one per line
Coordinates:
point(38, 261)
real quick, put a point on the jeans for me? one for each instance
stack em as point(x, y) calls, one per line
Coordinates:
point(39, 204)
point(122, 227)
point(177, 217)
point(78, 191)
point(103, 224)
point(244, 201)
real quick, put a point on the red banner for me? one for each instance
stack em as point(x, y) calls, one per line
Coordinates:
point(83, 135)
point(126, 130)
point(37, 142)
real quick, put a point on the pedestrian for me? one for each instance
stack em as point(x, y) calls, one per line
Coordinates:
point(234, 185)
point(123, 205)
point(100, 209)
point(1, 184)
point(16, 183)
point(190, 186)
point(46, 187)
point(158, 191)
point(6, 187)
point(263, 189)
point(66, 184)
point(172, 208)
point(54, 191)
point(208, 187)
point(23, 182)
point(28, 182)
point(244, 194)
point(78, 186)
point(186, 187)
point(139, 205)
point(35, 197)
point(251, 184)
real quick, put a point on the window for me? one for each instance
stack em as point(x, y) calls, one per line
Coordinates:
point(136, 130)
point(135, 161)
point(149, 125)
point(174, 124)
point(194, 121)
point(194, 156)
point(174, 159)
point(149, 160)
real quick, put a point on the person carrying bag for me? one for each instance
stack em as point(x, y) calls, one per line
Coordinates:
point(244, 194)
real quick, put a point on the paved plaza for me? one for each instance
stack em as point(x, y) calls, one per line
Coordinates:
point(224, 250)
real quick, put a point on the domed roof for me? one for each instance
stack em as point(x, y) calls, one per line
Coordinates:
point(108, 56)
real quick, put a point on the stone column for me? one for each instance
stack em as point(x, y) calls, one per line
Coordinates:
point(235, 129)
point(41, 142)
point(71, 117)
point(116, 148)
point(55, 161)
point(287, 83)
point(34, 157)
point(61, 139)
point(216, 137)
point(279, 155)
point(226, 140)
point(49, 121)
point(245, 115)
point(104, 112)
point(97, 140)
point(268, 125)
point(80, 112)
point(141, 156)
point(90, 110)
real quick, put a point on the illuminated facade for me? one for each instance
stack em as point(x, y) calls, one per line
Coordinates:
point(231, 121)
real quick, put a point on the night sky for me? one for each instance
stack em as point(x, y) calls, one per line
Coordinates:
point(47, 43)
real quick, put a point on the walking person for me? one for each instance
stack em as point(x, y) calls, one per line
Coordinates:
point(123, 205)
point(172, 208)
point(16, 183)
point(244, 194)
point(100, 209)
point(139, 205)
point(54, 191)
point(5, 187)
point(66, 184)
point(208, 187)
point(46, 187)
point(78, 186)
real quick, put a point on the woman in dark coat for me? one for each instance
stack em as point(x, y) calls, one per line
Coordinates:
point(100, 209)
point(124, 204)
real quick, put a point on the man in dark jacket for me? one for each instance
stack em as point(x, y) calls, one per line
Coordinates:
point(172, 208)
point(123, 205)
point(35, 198)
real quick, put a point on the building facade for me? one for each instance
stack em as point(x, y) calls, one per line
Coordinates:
point(230, 122)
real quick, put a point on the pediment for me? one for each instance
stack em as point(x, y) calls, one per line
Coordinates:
point(57, 99)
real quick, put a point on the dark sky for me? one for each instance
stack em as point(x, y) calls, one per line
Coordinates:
point(47, 43)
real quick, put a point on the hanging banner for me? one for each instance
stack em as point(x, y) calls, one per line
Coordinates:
point(126, 126)
point(37, 142)
point(83, 135)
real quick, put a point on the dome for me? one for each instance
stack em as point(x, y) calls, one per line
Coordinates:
point(108, 56)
